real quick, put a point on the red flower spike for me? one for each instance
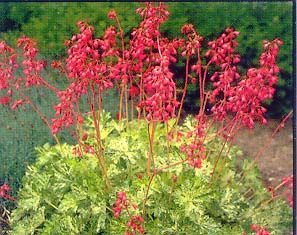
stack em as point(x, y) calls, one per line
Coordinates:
point(8, 65)
point(159, 87)
point(119, 204)
point(31, 66)
point(193, 43)
point(135, 222)
point(246, 97)
point(84, 66)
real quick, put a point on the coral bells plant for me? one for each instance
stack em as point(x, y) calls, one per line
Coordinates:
point(149, 171)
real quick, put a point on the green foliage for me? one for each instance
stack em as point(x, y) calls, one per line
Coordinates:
point(61, 195)
point(65, 194)
point(51, 24)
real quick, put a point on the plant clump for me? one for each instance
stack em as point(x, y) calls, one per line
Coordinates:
point(148, 172)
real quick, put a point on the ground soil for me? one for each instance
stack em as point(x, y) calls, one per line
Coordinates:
point(277, 159)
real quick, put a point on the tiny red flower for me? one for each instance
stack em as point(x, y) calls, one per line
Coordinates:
point(3, 192)
point(134, 91)
point(84, 137)
point(16, 104)
point(80, 119)
point(118, 116)
point(112, 14)
point(4, 100)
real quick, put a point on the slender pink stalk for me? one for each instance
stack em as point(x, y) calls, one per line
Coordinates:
point(184, 90)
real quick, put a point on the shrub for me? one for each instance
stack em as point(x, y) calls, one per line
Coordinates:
point(52, 23)
point(65, 194)
point(151, 174)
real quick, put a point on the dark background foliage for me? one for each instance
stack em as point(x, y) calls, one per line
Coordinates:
point(53, 23)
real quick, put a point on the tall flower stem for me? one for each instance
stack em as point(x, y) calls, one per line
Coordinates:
point(123, 87)
point(203, 98)
point(184, 90)
point(221, 151)
point(121, 101)
point(150, 160)
point(99, 153)
point(126, 104)
point(147, 192)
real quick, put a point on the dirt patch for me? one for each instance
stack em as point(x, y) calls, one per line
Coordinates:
point(277, 159)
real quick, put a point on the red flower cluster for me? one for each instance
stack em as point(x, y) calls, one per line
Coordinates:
point(246, 97)
point(162, 103)
point(135, 222)
point(31, 70)
point(222, 54)
point(120, 203)
point(85, 66)
point(65, 110)
point(84, 60)
point(152, 54)
point(4, 189)
point(259, 230)
point(4, 100)
point(31, 66)
point(7, 67)
point(222, 50)
point(144, 37)
point(193, 43)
